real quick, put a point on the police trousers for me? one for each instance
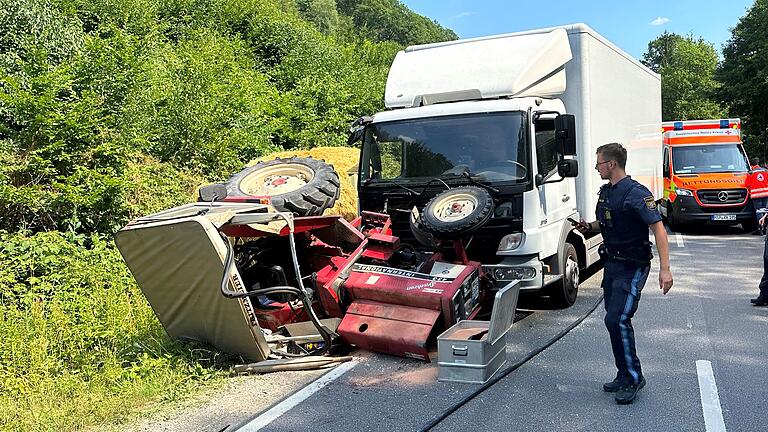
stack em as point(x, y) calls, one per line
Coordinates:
point(764, 280)
point(622, 283)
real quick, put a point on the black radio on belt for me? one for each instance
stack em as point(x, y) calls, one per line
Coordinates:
point(636, 254)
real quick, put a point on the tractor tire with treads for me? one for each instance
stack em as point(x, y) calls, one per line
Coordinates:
point(303, 186)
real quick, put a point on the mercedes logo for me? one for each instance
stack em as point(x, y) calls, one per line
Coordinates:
point(722, 196)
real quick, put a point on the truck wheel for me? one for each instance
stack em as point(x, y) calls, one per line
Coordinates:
point(304, 186)
point(457, 212)
point(564, 293)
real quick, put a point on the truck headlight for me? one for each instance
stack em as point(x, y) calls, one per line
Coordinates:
point(684, 192)
point(513, 273)
point(511, 242)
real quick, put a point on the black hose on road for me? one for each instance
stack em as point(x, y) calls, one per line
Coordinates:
point(435, 421)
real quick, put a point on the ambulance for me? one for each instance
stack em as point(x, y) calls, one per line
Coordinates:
point(705, 168)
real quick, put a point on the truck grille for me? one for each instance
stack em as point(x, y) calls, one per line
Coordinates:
point(722, 196)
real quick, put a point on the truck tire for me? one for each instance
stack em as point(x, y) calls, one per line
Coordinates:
point(303, 186)
point(564, 293)
point(457, 212)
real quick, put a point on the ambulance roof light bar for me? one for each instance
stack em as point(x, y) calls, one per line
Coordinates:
point(679, 125)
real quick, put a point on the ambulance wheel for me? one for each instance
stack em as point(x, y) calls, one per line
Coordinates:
point(671, 221)
point(457, 212)
point(564, 293)
point(303, 186)
point(749, 225)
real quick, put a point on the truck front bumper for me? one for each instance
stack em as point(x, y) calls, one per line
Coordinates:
point(518, 264)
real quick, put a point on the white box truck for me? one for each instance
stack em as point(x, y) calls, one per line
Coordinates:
point(501, 113)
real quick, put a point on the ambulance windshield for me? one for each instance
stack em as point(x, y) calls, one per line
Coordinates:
point(710, 158)
point(487, 145)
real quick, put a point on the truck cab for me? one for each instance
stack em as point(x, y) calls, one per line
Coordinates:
point(507, 146)
point(705, 170)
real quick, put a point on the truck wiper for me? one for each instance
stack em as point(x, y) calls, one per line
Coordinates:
point(467, 174)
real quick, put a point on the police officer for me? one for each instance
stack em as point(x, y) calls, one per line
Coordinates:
point(762, 299)
point(625, 211)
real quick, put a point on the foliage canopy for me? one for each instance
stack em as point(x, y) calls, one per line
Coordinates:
point(686, 65)
point(744, 76)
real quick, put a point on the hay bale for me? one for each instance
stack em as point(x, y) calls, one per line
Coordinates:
point(344, 161)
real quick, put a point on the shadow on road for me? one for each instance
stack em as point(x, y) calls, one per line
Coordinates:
point(538, 301)
point(706, 229)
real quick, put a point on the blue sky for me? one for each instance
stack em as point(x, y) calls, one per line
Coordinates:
point(629, 25)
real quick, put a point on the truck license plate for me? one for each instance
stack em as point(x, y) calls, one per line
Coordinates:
point(723, 217)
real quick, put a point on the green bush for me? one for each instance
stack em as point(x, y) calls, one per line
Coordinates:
point(76, 328)
point(152, 186)
point(61, 156)
point(203, 105)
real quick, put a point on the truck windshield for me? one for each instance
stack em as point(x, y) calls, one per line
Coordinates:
point(491, 146)
point(710, 158)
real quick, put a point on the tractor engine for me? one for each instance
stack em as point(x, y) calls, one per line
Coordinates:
point(393, 298)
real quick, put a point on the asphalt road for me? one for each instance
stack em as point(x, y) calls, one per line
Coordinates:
point(706, 317)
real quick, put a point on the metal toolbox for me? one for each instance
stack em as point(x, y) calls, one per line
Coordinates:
point(472, 351)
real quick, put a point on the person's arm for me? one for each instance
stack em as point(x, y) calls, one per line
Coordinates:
point(662, 246)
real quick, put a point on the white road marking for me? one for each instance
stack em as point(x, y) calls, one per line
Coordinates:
point(710, 401)
point(679, 239)
point(276, 411)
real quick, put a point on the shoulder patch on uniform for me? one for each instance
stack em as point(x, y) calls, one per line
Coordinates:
point(650, 202)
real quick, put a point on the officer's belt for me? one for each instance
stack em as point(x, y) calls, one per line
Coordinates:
point(636, 253)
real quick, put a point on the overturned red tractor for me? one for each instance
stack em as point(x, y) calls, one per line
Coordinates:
point(252, 262)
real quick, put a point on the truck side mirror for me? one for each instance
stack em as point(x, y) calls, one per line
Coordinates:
point(568, 168)
point(356, 135)
point(565, 134)
point(357, 128)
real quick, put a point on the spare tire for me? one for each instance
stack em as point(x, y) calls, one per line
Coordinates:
point(457, 212)
point(422, 236)
point(303, 186)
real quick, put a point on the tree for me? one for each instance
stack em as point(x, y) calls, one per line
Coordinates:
point(390, 20)
point(687, 66)
point(744, 76)
point(322, 13)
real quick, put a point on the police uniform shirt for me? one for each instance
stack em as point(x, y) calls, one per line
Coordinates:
point(624, 211)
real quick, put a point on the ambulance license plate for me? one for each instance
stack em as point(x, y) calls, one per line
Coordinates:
point(723, 217)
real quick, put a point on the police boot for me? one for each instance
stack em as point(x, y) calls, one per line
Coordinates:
point(627, 393)
point(759, 301)
point(613, 386)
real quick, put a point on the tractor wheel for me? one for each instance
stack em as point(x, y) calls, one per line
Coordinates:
point(457, 212)
point(564, 293)
point(304, 186)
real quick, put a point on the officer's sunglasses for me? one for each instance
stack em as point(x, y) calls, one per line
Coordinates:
point(600, 163)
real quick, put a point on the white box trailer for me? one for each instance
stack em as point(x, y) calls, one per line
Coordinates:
point(505, 98)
